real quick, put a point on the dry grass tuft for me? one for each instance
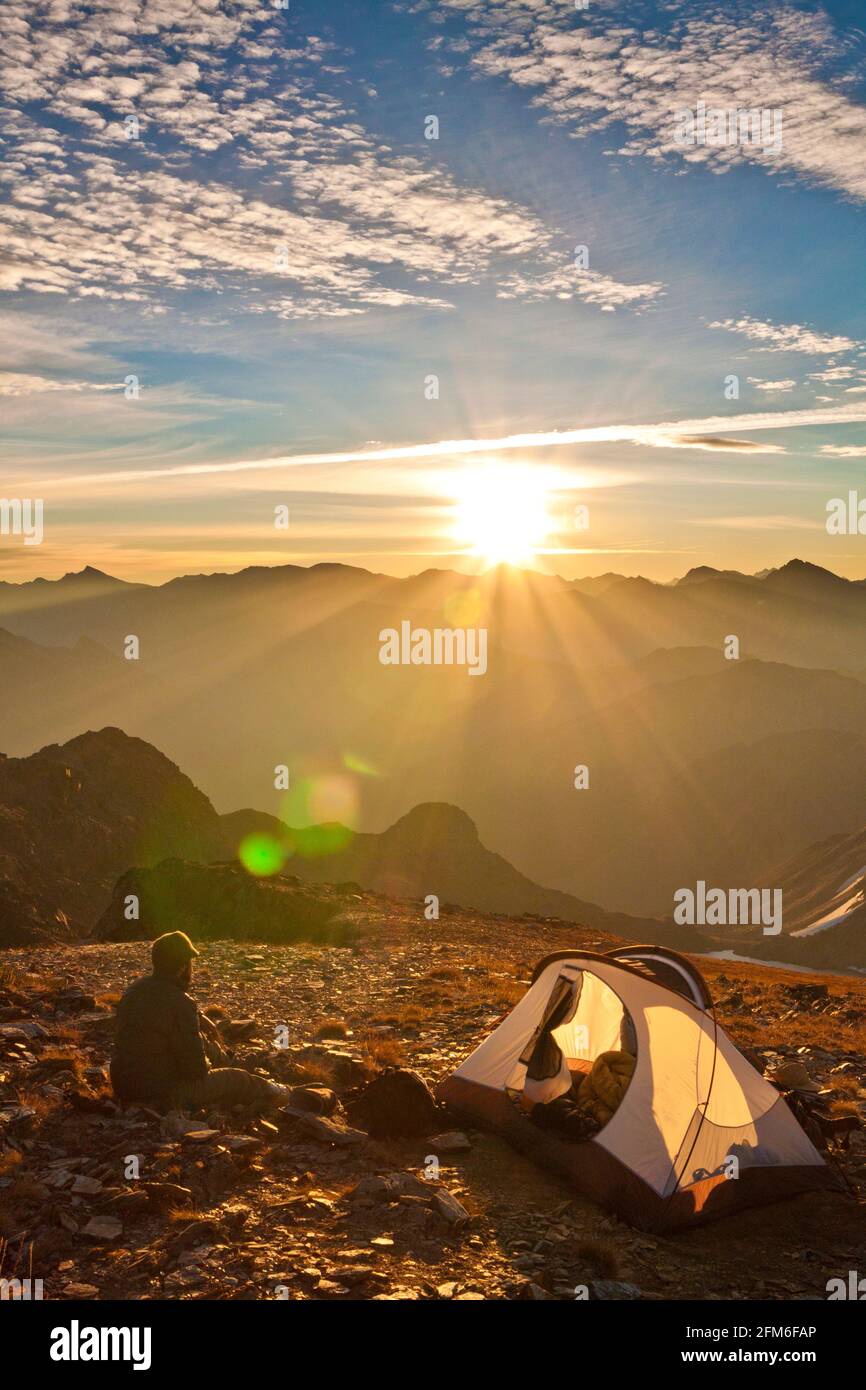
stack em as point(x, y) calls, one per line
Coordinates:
point(315, 1071)
point(385, 1052)
point(331, 1028)
point(66, 1032)
point(185, 1216)
point(9, 1161)
point(406, 1016)
point(10, 977)
point(844, 1107)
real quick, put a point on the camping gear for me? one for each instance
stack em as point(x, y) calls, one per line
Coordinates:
point(793, 1076)
point(602, 1091)
point(693, 1105)
point(396, 1104)
point(829, 1133)
point(565, 1117)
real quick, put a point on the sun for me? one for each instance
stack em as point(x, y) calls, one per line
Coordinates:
point(501, 512)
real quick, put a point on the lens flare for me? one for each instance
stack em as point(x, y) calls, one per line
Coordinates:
point(322, 810)
point(262, 855)
point(355, 764)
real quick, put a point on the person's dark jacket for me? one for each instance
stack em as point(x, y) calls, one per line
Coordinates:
point(157, 1043)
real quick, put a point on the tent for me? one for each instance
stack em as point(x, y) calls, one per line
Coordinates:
point(698, 1133)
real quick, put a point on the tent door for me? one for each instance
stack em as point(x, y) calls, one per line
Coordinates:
point(547, 1074)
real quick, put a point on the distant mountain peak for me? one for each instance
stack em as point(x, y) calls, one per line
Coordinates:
point(111, 747)
point(803, 569)
point(110, 735)
point(698, 573)
point(90, 575)
point(437, 820)
point(89, 572)
point(77, 815)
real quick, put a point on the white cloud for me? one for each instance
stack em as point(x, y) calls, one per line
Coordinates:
point(786, 337)
point(845, 451)
point(26, 384)
point(775, 386)
point(666, 434)
point(97, 215)
point(567, 282)
point(128, 232)
point(604, 72)
point(842, 373)
point(28, 342)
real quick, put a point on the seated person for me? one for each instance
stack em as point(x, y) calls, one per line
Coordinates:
point(161, 1053)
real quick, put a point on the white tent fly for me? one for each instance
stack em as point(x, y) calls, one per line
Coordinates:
point(698, 1132)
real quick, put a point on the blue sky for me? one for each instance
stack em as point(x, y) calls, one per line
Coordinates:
point(281, 259)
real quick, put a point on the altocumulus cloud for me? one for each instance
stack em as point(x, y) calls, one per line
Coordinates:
point(340, 225)
point(741, 56)
point(787, 337)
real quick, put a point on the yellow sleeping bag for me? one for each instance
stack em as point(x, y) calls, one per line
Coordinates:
point(604, 1088)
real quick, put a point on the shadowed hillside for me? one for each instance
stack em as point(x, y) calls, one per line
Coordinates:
point(73, 817)
point(824, 894)
point(85, 824)
point(435, 849)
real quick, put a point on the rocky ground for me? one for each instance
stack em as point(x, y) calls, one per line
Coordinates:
point(104, 1202)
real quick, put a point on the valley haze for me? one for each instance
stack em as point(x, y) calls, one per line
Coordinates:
point(692, 767)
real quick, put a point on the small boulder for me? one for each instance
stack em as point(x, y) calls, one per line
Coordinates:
point(104, 1229)
point(326, 1131)
point(86, 1187)
point(388, 1187)
point(449, 1208)
point(532, 1292)
point(606, 1289)
point(317, 1100)
point(164, 1195)
point(454, 1142)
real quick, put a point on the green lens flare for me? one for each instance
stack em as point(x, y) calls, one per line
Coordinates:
point(359, 765)
point(261, 855)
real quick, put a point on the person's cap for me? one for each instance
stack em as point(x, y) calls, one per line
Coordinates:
point(171, 952)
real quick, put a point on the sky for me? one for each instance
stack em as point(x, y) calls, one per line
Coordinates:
point(242, 281)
